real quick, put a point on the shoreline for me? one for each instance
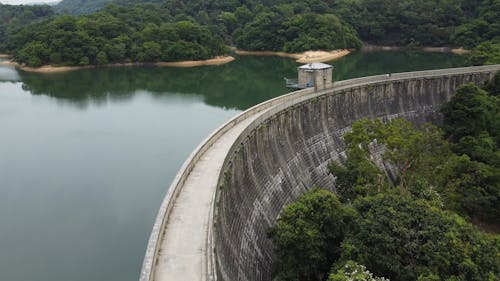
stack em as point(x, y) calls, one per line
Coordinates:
point(305, 57)
point(57, 69)
point(457, 51)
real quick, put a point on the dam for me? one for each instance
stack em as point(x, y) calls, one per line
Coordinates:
point(213, 220)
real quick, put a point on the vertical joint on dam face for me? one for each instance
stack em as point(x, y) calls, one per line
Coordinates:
point(286, 151)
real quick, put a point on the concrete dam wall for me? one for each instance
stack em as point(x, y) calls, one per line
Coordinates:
point(213, 220)
point(287, 150)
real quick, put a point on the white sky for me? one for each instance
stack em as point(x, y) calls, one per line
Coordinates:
point(17, 2)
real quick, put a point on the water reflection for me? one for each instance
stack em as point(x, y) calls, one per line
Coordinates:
point(236, 85)
point(239, 85)
point(361, 64)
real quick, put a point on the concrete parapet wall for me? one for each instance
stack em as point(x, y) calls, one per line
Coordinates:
point(286, 151)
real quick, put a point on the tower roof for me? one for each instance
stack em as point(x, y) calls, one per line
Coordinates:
point(315, 65)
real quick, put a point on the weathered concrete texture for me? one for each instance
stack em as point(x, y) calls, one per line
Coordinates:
point(289, 151)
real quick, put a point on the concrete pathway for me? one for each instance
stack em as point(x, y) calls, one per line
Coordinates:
point(182, 254)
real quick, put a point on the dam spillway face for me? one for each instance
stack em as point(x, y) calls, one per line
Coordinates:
point(288, 152)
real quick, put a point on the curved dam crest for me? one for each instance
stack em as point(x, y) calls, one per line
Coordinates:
point(212, 223)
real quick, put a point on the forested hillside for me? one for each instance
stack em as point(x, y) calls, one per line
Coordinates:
point(14, 17)
point(407, 22)
point(291, 26)
point(82, 7)
point(115, 34)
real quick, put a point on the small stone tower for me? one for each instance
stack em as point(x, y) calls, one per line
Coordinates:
point(317, 75)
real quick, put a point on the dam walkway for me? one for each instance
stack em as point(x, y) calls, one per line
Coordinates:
point(181, 245)
point(185, 241)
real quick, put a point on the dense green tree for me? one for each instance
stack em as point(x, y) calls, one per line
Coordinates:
point(469, 34)
point(409, 155)
point(282, 31)
point(419, 162)
point(358, 176)
point(470, 112)
point(84, 61)
point(102, 58)
point(327, 32)
point(404, 238)
point(485, 53)
point(483, 26)
point(115, 35)
point(407, 22)
point(35, 53)
point(261, 33)
point(14, 17)
point(472, 189)
point(243, 15)
point(78, 7)
point(482, 148)
point(308, 236)
point(230, 21)
point(151, 51)
point(472, 122)
point(398, 237)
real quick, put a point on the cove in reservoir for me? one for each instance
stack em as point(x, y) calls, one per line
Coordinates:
point(86, 156)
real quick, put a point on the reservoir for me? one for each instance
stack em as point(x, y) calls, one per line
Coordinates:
point(86, 156)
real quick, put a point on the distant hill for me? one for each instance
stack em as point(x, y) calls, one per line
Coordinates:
point(79, 7)
point(82, 7)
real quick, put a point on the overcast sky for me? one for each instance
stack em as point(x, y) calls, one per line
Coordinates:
point(17, 2)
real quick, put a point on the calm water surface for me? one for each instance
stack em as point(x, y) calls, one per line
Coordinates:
point(86, 157)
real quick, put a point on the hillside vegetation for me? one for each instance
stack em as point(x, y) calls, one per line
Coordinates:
point(428, 22)
point(83, 7)
point(113, 35)
point(282, 25)
point(14, 17)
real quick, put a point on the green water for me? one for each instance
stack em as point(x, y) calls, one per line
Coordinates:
point(86, 156)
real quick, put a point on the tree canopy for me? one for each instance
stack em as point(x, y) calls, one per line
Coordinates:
point(405, 238)
point(14, 17)
point(277, 31)
point(392, 236)
point(278, 25)
point(311, 228)
point(115, 35)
